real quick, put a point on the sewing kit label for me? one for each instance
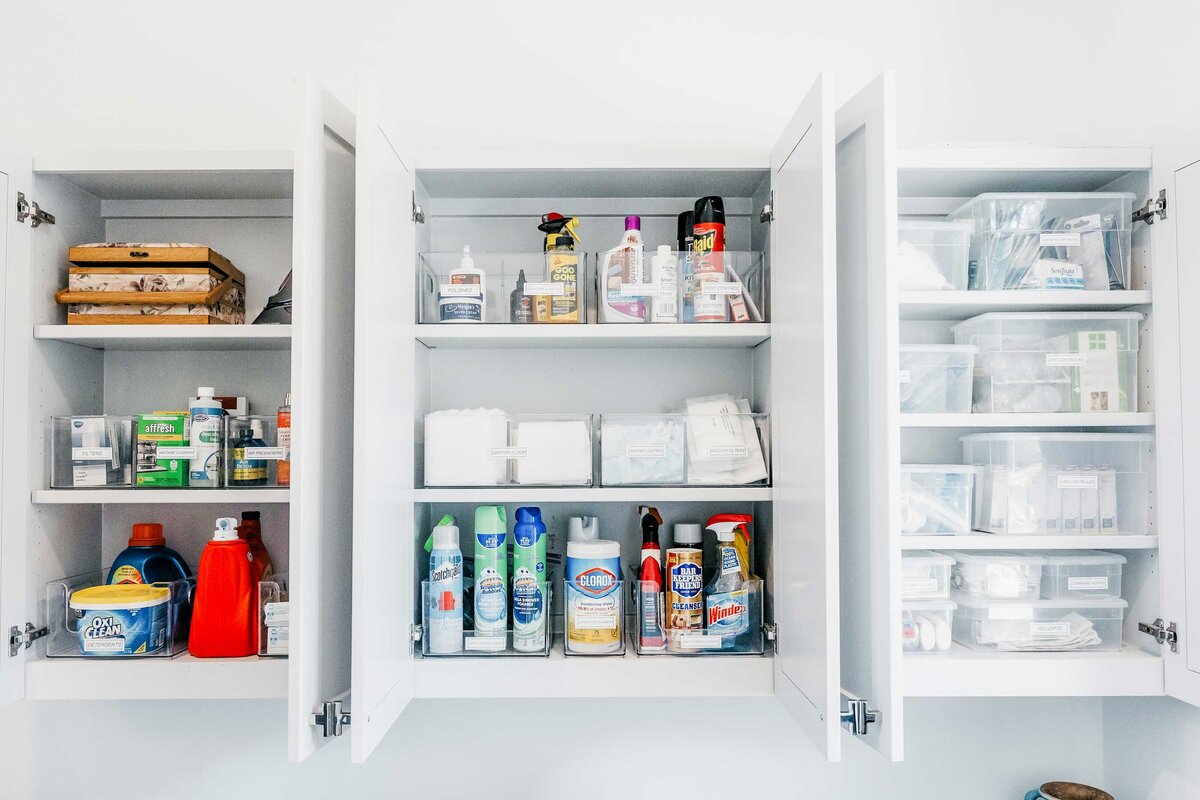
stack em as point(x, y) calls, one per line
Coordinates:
point(551, 289)
point(699, 641)
point(914, 587)
point(718, 287)
point(168, 452)
point(266, 453)
point(509, 452)
point(1049, 629)
point(1059, 240)
point(639, 290)
point(1066, 360)
point(489, 644)
point(728, 451)
point(1081, 584)
point(91, 453)
point(1078, 481)
point(460, 290)
point(905, 376)
point(645, 451)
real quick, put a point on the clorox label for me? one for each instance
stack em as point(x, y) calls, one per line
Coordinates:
point(596, 581)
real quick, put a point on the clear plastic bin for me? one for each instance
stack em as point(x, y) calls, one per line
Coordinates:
point(252, 452)
point(925, 575)
point(735, 288)
point(91, 452)
point(518, 288)
point(1081, 573)
point(1050, 241)
point(933, 255)
point(274, 616)
point(685, 449)
point(1068, 625)
point(1061, 483)
point(487, 447)
point(936, 499)
point(936, 378)
point(144, 629)
point(594, 620)
point(535, 640)
point(926, 626)
point(649, 633)
point(997, 575)
point(1044, 362)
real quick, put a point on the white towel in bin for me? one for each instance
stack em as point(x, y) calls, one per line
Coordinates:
point(458, 447)
point(557, 452)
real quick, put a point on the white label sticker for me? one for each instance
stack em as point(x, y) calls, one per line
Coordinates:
point(1000, 611)
point(645, 451)
point(1084, 583)
point(905, 376)
point(596, 622)
point(728, 451)
point(718, 287)
point(639, 290)
point(552, 289)
point(1059, 240)
point(266, 453)
point(486, 643)
point(912, 587)
point(1078, 481)
point(460, 290)
point(1049, 629)
point(700, 641)
point(169, 451)
point(1005, 587)
point(115, 644)
point(510, 452)
point(91, 453)
point(1066, 359)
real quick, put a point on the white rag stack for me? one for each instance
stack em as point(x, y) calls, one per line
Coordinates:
point(557, 452)
point(721, 424)
point(458, 447)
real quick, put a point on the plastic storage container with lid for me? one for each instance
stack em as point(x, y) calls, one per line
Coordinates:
point(936, 378)
point(932, 255)
point(1081, 573)
point(1061, 483)
point(1050, 240)
point(997, 575)
point(927, 626)
point(1065, 625)
point(121, 620)
point(925, 575)
point(1044, 362)
point(936, 498)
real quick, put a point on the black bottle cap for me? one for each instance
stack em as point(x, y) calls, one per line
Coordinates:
point(709, 209)
point(684, 230)
point(250, 515)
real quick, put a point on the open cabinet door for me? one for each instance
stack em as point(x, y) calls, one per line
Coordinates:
point(1176, 244)
point(869, 402)
point(804, 412)
point(382, 672)
point(322, 425)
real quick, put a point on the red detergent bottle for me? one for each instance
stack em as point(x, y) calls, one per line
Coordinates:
point(223, 618)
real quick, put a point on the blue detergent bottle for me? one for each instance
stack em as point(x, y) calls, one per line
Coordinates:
point(147, 559)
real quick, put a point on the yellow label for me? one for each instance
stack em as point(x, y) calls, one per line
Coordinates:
point(564, 269)
point(127, 573)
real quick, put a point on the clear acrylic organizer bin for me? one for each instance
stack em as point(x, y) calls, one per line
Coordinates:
point(90, 452)
point(83, 627)
point(997, 575)
point(732, 288)
point(1046, 362)
point(936, 499)
point(252, 452)
point(518, 288)
point(1060, 483)
point(933, 255)
point(650, 635)
point(274, 616)
point(926, 626)
point(594, 619)
point(1081, 573)
point(1050, 240)
point(1048, 626)
point(521, 637)
point(487, 447)
point(935, 378)
point(925, 575)
point(685, 450)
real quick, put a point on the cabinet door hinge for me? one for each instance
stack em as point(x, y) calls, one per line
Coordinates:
point(1162, 633)
point(418, 213)
point(768, 212)
point(770, 631)
point(29, 210)
point(18, 638)
point(1154, 206)
point(858, 716)
point(331, 719)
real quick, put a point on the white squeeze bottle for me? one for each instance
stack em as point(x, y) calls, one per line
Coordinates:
point(664, 274)
point(205, 416)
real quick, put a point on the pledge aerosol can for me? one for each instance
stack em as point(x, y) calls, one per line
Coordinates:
point(685, 586)
point(708, 258)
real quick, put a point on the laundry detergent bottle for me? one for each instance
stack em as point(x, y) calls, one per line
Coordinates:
point(223, 618)
point(147, 559)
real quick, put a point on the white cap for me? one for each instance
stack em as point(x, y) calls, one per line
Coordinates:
point(205, 391)
point(445, 537)
point(687, 533)
point(583, 529)
point(467, 261)
point(256, 428)
point(724, 535)
point(226, 530)
point(664, 249)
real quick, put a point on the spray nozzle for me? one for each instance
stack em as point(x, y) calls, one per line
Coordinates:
point(555, 223)
point(724, 525)
point(644, 511)
point(467, 262)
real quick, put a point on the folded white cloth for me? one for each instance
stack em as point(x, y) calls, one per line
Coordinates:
point(556, 452)
point(458, 447)
point(630, 451)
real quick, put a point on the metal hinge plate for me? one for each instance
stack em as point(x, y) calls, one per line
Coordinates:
point(418, 213)
point(768, 212)
point(858, 716)
point(29, 210)
point(770, 631)
point(1162, 633)
point(331, 719)
point(18, 638)
point(1155, 206)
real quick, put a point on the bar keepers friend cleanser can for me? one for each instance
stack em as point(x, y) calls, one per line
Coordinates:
point(594, 597)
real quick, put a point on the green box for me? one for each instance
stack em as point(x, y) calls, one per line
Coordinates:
point(161, 431)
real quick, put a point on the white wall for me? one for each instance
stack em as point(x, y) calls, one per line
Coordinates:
point(143, 74)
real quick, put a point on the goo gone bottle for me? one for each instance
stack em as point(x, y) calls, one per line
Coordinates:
point(726, 599)
point(445, 599)
point(708, 262)
point(529, 581)
point(491, 571)
point(205, 416)
point(223, 618)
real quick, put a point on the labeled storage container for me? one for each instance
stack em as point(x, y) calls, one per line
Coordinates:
point(674, 287)
point(274, 616)
point(1065, 625)
point(688, 449)
point(925, 575)
point(487, 447)
point(1081, 573)
point(502, 288)
point(89, 618)
point(932, 255)
point(936, 499)
point(1050, 240)
point(91, 452)
point(936, 378)
point(733, 626)
point(1061, 483)
point(1042, 362)
point(997, 575)
point(594, 615)
point(252, 452)
point(533, 639)
point(926, 626)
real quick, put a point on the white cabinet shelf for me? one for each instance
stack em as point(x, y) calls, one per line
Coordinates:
point(179, 678)
point(965, 304)
point(157, 496)
point(508, 494)
point(984, 541)
point(970, 673)
point(170, 337)
point(750, 334)
point(1132, 419)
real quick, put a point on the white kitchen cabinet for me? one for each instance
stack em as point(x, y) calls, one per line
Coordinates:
point(270, 213)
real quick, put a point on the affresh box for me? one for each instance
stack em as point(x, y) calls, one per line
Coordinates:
point(163, 452)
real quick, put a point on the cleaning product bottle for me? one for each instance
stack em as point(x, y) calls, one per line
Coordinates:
point(520, 305)
point(562, 267)
point(529, 581)
point(247, 471)
point(624, 274)
point(491, 571)
point(147, 559)
point(463, 299)
point(740, 525)
point(650, 583)
point(283, 436)
point(664, 274)
point(708, 247)
point(583, 529)
point(593, 597)
point(445, 598)
point(726, 598)
point(687, 310)
point(205, 418)
point(223, 612)
point(251, 532)
point(685, 586)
